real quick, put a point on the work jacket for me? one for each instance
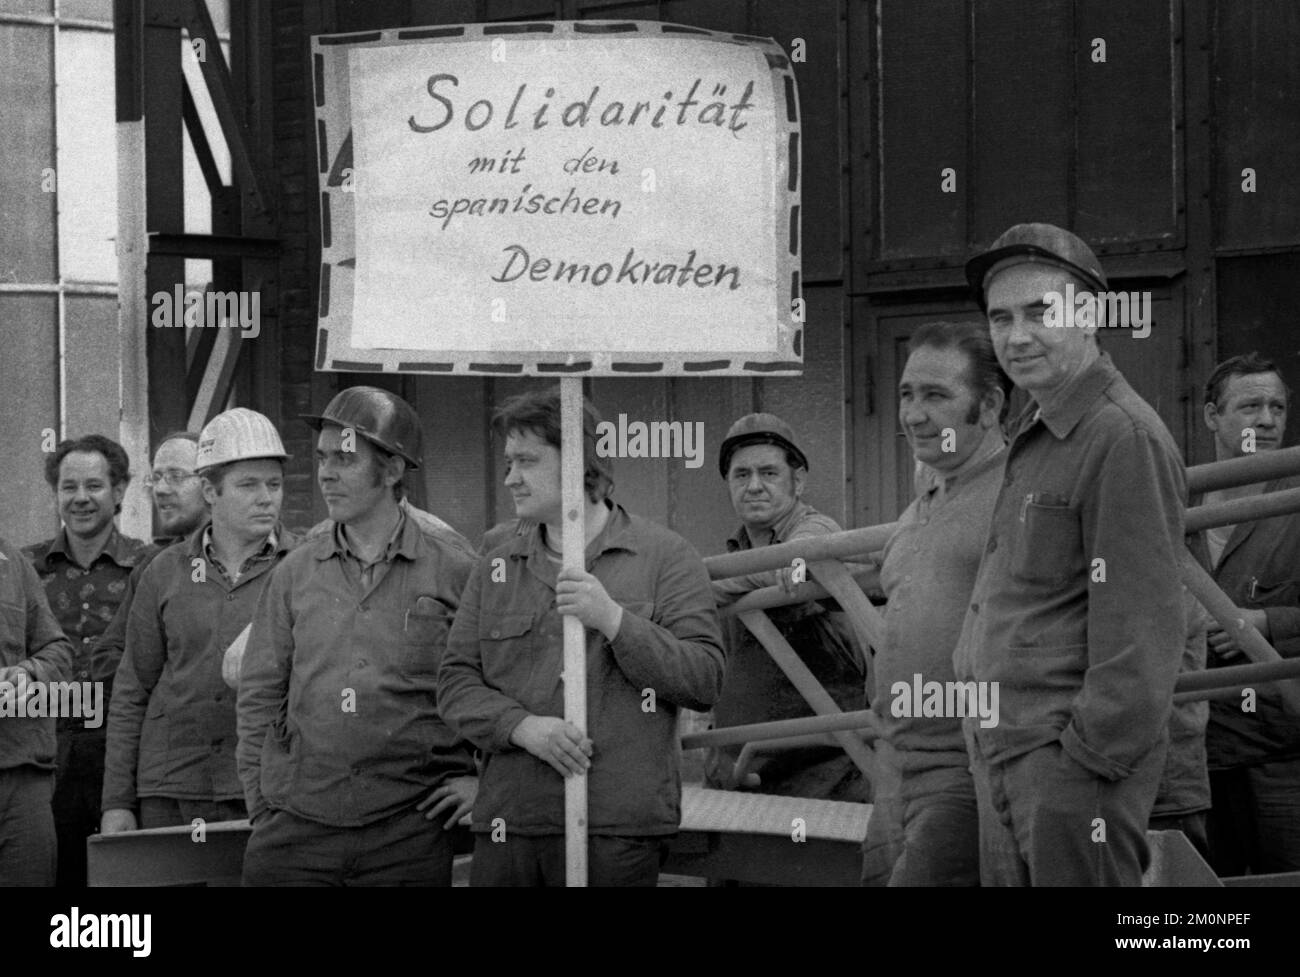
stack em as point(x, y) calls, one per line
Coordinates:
point(1077, 610)
point(171, 723)
point(338, 721)
point(506, 653)
point(31, 639)
point(1259, 568)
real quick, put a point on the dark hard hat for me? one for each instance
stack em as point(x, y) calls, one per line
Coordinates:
point(1046, 243)
point(758, 429)
point(382, 418)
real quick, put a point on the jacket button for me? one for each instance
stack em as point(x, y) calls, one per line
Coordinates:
point(975, 608)
point(496, 633)
point(993, 544)
point(230, 596)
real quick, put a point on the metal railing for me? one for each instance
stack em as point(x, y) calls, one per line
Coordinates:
point(843, 565)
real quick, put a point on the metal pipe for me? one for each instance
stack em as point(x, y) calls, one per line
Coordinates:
point(1238, 676)
point(1243, 510)
point(759, 600)
point(838, 546)
point(1263, 466)
point(862, 719)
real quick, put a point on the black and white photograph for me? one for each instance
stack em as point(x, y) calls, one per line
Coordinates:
point(668, 444)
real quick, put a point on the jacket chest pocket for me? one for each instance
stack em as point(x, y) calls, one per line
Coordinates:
point(1047, 548)
point(512, 662)
point(424, 635)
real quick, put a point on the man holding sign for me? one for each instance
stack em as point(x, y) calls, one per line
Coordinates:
point(653, 645)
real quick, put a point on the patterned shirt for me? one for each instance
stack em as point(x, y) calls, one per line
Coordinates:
point(84, 599)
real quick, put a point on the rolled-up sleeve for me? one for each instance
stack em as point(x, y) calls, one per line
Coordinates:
point(678, 653)
point(1132, 531)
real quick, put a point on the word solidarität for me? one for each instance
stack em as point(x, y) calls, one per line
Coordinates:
point(31, 699)
point(102, 930)
point(657, 439)
point(633, 271)
point(1082, 309)
point(606, 112)
point(216, 310)
point(945, 700)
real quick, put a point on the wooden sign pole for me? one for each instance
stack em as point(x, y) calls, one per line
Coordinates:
point(574, 498)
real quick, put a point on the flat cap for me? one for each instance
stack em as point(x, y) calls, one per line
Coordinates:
point(1045, 243)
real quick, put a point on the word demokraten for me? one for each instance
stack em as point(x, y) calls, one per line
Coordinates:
point(947, 700)
point(633, 271)
point(658, 439)
point(481, 112)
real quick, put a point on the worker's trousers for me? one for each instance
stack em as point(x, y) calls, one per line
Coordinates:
point(1047, 820)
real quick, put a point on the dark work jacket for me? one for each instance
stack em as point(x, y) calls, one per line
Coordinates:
point(171, 723)
point(1259, 568)
point(338, 720)
point(30, 638)
point(506, 652)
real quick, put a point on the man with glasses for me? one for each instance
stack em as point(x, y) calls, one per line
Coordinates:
point(84, 569)
point(179, 509)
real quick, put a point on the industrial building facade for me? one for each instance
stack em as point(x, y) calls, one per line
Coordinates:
point(155, 144)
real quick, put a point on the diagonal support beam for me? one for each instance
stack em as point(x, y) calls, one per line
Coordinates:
point(1223, 610)
point(803, 679)
point(239, 138)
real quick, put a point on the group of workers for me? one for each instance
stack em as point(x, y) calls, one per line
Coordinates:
point(357, 690)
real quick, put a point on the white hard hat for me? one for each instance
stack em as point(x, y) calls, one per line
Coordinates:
point(238, 435)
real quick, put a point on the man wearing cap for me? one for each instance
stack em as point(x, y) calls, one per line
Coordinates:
point(351, 776)
point(766, 472)
point(171, 727)
point(84, 570)
point(652, 647)
point(1077, 611)
point(925, 831)
point(32, 648)
point(1253, 743)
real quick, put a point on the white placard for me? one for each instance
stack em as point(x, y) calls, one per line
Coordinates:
point(598, 198)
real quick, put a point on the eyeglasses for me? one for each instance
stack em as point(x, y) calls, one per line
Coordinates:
point(172, 476)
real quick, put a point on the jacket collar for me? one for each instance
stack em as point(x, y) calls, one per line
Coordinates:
point(618, 534)
point(283, 539)
point(1066, 411)
point(405, 541)
point(780, 529)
